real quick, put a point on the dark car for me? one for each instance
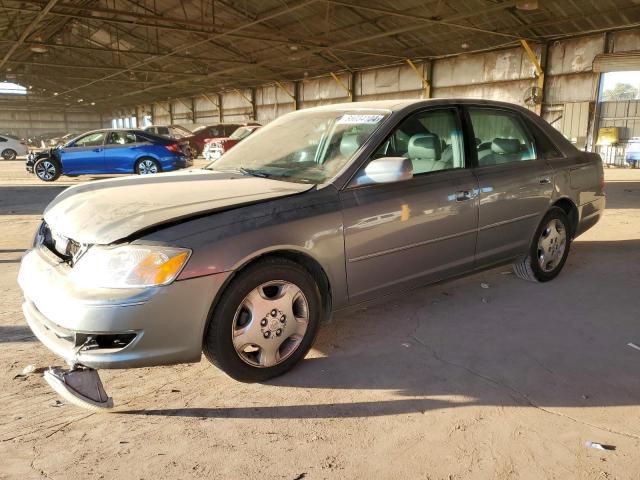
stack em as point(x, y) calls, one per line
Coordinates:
point(110, 151)
point(200, 134)
point(323, 209)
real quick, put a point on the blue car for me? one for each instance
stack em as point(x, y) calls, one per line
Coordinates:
point(110, 151)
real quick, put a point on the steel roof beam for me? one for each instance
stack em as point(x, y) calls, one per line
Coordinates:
point(28, 30)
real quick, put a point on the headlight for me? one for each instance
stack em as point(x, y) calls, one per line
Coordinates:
point(129, 266)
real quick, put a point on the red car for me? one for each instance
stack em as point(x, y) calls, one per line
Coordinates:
point(215, 147)
point(200, 134)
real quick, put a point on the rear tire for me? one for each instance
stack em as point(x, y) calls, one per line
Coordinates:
point(47, 169)
point(549, 248)
point(265, 321)
point(9, 154)
point(147, 166)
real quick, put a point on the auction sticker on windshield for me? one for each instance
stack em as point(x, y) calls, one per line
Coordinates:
point(359, 119)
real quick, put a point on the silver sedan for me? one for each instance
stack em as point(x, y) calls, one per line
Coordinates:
point(320, 210)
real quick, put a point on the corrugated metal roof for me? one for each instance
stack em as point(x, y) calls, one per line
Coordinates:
point(119, 52)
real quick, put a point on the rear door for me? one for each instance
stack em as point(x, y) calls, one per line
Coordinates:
point(399, 235)
point(85, 155)
point(120, 151)
point(516, 183)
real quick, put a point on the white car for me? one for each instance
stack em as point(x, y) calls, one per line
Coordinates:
point(632, 155)
point(12, 147)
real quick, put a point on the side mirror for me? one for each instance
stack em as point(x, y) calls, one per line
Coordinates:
point(386, 170)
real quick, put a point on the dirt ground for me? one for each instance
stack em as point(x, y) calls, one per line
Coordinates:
point(447, 382)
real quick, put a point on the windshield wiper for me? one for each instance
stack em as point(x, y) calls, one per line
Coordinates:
point(253, 173)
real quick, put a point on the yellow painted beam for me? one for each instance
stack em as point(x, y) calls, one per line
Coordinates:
point(243, 96)
point(539, 70)
point(188, 107)
point(207, 97)
point(341, 83)
point(162, 107)
point(532, 56)
point(291, 95)
point(425, 83)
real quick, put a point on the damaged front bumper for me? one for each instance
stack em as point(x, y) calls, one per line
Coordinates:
point(114, 328)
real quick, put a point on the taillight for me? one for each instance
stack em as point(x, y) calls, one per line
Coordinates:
point(173, 147)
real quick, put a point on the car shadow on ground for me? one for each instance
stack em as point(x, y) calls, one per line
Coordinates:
point(27, 199)
point(16, 333)
point(550, 346)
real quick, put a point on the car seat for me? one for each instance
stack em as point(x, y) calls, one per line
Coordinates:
point(503, 150)
point(425, 151)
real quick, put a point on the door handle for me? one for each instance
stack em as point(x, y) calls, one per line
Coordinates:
point(544, 180)
point(97, 149)
point(464, 195)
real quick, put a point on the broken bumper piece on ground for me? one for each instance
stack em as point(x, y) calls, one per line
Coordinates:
point(80, 386)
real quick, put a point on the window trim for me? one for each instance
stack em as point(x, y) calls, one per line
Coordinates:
point(459, 115)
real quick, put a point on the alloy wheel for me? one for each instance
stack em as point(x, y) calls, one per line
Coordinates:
point(147, 166)
point(551, 245)
point(45, 170)
point(9, 155)
point(270, 323)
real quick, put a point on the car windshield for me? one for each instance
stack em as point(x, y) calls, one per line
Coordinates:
point(305, 147)
point(240, 133)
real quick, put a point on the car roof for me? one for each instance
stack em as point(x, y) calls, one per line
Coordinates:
point(399, 104)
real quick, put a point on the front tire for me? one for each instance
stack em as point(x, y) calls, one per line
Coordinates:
point(147, 166)
point(47, 170)
point(265, 322)
point(549, 248)
point(9, 154)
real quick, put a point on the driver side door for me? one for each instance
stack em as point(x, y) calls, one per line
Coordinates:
point(404, 234)
point(85, 155)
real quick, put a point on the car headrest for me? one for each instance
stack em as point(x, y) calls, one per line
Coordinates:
point(505, 146)
point(425, 146)
point(351, 142)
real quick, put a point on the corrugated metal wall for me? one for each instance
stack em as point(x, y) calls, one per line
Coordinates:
point(31, 122)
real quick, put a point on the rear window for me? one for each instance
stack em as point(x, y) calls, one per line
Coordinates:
point(545, 148)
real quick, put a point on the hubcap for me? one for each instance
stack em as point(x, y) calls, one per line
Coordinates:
point(147, 166)
point(270, 323)
point(551, 245)
point(46, 170)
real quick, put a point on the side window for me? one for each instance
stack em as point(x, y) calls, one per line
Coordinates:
point(91, 140)
point(121, 138)
point(141, 139)
point(544, 146)
point(162, 131)
point(432, 140)
point(215, 131)
point(229, 129)
point(3, 139)
point(500, 137)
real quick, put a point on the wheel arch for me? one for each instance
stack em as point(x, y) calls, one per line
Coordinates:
point(570, 209)
point(8, 149)
point(146, 155)
point(302, 258)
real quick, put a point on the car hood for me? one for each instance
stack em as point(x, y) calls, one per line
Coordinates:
point(102, 212)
